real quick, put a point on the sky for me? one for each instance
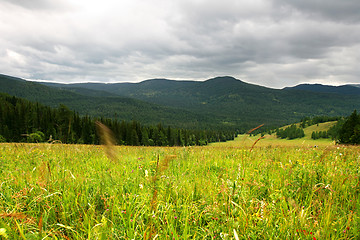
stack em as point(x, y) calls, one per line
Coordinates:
point(273, 43)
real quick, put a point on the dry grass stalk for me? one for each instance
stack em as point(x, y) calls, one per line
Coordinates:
point(107, 139)
point(44, 174)
point(40, 226)
point(256, 142)
point(160, 168)
point(251, 130)
point(18, 216)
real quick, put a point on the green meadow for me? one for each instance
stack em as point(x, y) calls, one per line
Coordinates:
point(276, 189)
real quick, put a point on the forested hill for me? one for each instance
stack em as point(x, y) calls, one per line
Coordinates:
point(222, 102)
point(25, 121)
point(234, 101)
point(319, 88)
point(103, 104)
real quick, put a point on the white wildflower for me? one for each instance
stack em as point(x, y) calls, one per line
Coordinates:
point(3, 233)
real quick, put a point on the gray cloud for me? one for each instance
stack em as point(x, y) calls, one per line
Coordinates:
point(38, 5)
point(275, 43)
point(333, 10)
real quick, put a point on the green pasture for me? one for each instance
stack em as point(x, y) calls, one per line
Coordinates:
point(275, 190)
point(272, 141)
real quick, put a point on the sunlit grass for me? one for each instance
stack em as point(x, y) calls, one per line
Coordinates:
point(76, 192)
point(272, 141)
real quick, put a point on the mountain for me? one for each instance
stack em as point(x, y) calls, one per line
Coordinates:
point(221, 102)
point(319, 88)
point(97, 103)
point(234, 101)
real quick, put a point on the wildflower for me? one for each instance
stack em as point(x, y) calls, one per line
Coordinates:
point(146, 173)
point(3, 233)
point(235, 235)
point(175, 217)
point(141, 186)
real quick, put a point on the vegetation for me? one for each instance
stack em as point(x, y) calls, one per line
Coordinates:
point(222, 103)
point(345, 89)
point(309, 121)
point(251, 188)
point(108, 105)
point(350, 130)
point(24, 121)
point(291, 132)
point(53, 191)
point(319, 134)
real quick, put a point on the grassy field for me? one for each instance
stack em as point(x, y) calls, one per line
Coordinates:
point(277, 190)
point(272, 141)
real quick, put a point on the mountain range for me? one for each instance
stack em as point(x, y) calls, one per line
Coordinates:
point(221, 102)
point(351, 89)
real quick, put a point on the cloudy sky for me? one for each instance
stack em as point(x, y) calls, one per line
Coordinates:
point(274, 43)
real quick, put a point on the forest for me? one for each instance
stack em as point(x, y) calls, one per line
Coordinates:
point(25, 121)
point(222, 103)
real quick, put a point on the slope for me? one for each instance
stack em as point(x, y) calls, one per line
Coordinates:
point(344, 89)
point(123, 108)
point(234, 101)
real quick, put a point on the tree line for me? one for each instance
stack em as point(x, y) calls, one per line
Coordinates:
point(291, 132)
point(345, 131)
point(319, 134)
point(309, 121)
point(349, 129)
point(25, 121)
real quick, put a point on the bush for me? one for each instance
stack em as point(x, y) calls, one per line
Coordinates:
point(36, 137)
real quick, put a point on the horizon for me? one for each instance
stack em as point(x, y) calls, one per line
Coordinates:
point(272, 43)
point(184, 80)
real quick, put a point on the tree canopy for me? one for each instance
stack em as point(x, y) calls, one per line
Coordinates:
point(349, 133)
point(25, 121)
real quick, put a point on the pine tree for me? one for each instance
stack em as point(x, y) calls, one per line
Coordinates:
point(349, 133)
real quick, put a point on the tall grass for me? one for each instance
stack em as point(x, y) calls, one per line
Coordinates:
point(76, 192)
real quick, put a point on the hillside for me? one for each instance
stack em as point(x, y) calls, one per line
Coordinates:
point(222, 102)
point(25, 121)
point(345, 89)
point(272, 141)
point(93, 103)
point(233, 100)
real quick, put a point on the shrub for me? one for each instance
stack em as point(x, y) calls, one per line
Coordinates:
point(36, 137)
